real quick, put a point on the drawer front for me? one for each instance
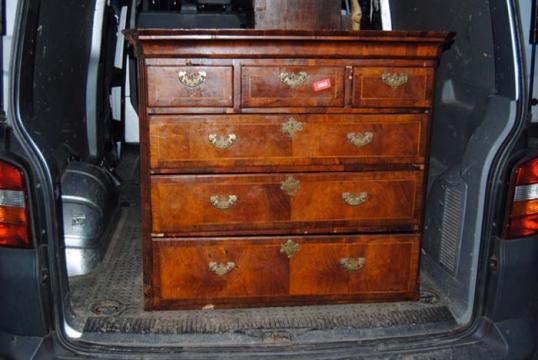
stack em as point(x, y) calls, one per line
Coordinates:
point(261, 271)
point(182, 86)
point(315, 202)
point(202, 143)
point(292, 86)
point(218, 269)
point(369, 265)
point(392, 87)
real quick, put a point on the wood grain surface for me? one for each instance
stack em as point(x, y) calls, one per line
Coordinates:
point(297, 14)
point(181, 143)
point(369, 89)
point(165, 89)
point(263, 275)
point(263, 87)
point(182, 205)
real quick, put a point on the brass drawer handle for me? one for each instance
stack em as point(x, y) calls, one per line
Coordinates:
point(291, 127)
point(352, 264)
point(223, 202)
point(289, 248)
point(360, 139)
point(221, 269)
point(394, 80)
point(221, 142)
point(293, 80)
point(192, 79)
point(290, 185)
point(354, 199)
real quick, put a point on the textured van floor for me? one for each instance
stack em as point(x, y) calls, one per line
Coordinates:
point(110, 300)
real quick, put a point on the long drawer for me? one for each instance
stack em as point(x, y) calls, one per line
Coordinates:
point(242, 142)
point(286, 203)
point(226, 272)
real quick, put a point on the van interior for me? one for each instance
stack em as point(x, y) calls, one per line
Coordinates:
point(80, 107)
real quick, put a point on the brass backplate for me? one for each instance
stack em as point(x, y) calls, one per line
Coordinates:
point(192, 79)
point(353, 264)
point(293, 80)
point(395, 80)
point(289, 248)
point(221, 269)
point(291, 127)
point(223, 202)
point(290, 186)
point(354, 199)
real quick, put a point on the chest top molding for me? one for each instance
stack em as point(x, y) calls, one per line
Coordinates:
point(281, 44)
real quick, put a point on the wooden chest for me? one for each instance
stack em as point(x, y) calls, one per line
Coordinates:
point(282, 168)
point(298, 14)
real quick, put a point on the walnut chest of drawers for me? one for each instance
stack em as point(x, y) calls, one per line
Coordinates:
point(282, 168)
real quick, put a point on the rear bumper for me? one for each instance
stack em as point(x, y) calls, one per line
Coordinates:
point(474, 347)
point(507, 340)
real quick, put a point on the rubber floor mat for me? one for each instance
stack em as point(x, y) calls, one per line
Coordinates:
point(283, 318)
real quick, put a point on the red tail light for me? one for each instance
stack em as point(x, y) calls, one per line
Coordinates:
point(523, 211)
point(14, 219)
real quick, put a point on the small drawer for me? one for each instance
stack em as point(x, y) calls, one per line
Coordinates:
point(292, 86)
point(218, 269)
point(241, 142)
point(186, 86)
point(284, 203)
point(392, 87)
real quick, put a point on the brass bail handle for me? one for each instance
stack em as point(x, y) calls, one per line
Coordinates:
point(223, 202)
point(293, 79)
point(354, 199)
point(192, 79)
point(352, 264)
point(221, 269)
point(394, 80)
point(360, 139)
point(222, 142)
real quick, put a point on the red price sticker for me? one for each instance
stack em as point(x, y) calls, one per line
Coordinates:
point(321, 84)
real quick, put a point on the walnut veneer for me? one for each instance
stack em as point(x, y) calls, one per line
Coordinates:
point(282, 168)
